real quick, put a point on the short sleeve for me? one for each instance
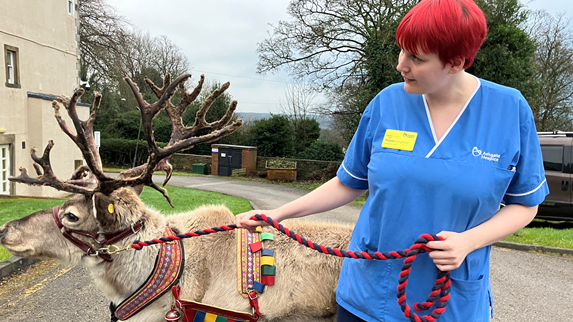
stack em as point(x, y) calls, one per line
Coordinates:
point(353, 171)
point(528, 186)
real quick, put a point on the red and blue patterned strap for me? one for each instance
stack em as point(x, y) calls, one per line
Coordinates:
point(168, 268)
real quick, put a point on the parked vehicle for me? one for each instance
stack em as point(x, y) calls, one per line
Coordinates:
point(557, 148)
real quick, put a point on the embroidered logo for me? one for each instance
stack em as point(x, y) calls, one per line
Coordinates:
point(485, 155)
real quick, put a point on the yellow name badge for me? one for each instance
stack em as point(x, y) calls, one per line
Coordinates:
point(399, 140)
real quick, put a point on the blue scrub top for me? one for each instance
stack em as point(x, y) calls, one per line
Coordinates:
point(489, 154)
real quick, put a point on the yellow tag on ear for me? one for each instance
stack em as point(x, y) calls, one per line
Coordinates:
point(399, 140)
point(259, 229)
point(110, 208)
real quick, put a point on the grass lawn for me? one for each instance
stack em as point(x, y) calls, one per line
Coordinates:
point(545, 233)
point(183, 199)
point(186, 199)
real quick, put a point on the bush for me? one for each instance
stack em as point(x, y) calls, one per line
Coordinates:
point(324, 151)
point(121, 152)
point(273, 137)
point(306, 132)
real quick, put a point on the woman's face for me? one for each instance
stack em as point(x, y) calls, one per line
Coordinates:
point(423, 73)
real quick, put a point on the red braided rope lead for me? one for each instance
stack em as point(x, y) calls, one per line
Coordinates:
point(440, 290)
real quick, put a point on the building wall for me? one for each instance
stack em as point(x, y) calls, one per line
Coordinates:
point(248, 157)
point(46, 38)
point(250, 160)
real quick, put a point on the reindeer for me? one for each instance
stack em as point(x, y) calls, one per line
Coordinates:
point(105, 206)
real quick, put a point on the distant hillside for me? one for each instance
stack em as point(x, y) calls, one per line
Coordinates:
point(323, 120)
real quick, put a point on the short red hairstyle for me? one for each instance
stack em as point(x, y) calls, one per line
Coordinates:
point(451, 29)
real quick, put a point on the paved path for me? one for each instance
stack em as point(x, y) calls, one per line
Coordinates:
point(526, 286)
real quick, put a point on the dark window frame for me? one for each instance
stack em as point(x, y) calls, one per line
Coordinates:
point(16, 55)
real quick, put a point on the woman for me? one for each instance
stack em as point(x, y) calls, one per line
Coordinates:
point(438, 153)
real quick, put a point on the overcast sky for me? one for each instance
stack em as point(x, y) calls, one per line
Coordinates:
point(219, 37)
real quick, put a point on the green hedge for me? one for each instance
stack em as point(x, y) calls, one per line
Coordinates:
point(121, 152)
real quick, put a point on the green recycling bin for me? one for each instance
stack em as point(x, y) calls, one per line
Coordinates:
point(200, 168)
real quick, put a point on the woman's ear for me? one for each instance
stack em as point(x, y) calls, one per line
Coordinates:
point(457, 66)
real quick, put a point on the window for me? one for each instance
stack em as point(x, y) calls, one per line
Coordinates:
point(10, 59)
point(4, 169)
point(552, 157)
point(71, 7)
point(12, 71)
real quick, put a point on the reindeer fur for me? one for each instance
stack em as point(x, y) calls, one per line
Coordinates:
point(305, 280)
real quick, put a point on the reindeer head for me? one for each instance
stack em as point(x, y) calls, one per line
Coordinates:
point(37, 234)
point(103, 205)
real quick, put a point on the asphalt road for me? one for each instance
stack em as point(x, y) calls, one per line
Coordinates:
point(526, 286)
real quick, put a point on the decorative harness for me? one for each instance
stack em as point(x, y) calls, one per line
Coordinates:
point(168, 268)
point(438, 297)
point(103, 239)
point(255, 265)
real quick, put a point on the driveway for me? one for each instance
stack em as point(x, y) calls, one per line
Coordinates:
point(526, 286)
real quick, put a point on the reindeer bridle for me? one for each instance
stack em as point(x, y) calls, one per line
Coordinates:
point(103, 239)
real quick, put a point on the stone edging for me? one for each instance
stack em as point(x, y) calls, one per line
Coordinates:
point(535, 248)
point(15, 264)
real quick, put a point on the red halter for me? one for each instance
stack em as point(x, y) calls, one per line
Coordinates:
point(108, 238)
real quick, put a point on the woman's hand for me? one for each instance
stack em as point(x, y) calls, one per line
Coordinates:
point(244, 220)
point(451, 252)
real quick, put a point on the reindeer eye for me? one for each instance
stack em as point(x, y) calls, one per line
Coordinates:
point(71, 217)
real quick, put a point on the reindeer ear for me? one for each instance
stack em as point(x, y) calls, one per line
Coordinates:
point(104, 206)
point(138, 189)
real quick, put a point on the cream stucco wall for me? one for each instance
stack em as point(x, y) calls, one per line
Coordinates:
point(45, 36)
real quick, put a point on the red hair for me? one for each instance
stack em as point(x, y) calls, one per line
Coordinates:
point(451, 29)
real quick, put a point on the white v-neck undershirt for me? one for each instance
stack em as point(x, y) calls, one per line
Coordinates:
point(453, 123)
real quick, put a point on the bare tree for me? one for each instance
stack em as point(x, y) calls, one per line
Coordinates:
point(142, 51)
point(137, 53)
point(112, 49)
point(102, 35)
point(330, 41)
point(299, 101)
point(168, 57)
point(553, 106)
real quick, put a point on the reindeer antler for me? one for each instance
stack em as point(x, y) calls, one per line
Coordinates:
point(182, 138)
point(83, 139)
point(46, 176)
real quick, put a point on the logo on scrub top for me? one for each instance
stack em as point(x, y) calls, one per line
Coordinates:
point(485, 155)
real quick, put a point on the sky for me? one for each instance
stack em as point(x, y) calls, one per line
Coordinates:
point(219, 38)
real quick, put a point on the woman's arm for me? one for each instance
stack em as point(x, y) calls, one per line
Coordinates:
point(330, 195)
point(450, 253)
